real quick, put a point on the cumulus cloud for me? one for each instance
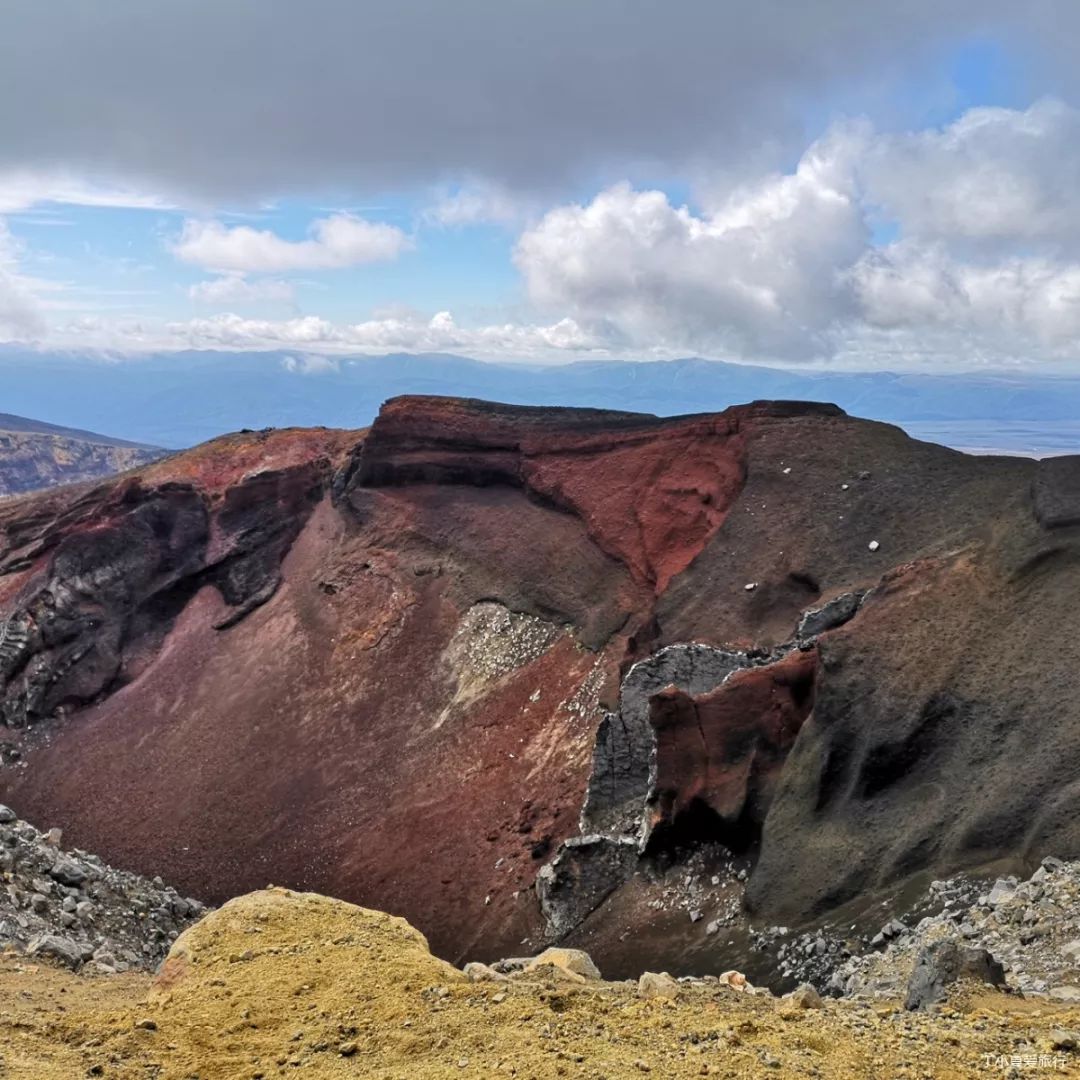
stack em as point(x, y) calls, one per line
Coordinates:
point(1016, 301)
point(760, 273)
point(995, 176)
point(236, 289)
point(335, 242)
point(987, 263)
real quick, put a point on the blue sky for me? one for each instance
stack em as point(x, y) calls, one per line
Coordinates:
point(118, 258)
point(856, 189)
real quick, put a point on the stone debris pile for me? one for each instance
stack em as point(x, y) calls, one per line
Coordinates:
point(69, 907)
point(1031, 928)
point(706, 885)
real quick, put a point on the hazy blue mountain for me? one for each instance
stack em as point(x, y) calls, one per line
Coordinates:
point(178, 399)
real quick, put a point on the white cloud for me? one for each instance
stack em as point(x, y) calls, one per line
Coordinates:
point(995, 176)
point(476, 203)
point(981, 263)
point(986, 266)
point(336, 242)
point(1020, 301)
point(759, 273)
point(405, 332)
point(311, 364)
point(236, 289)
point(20, 311)
point(23, 190)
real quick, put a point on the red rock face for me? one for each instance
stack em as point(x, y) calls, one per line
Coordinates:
point(650, 493)
point(653, 502)
point(375, 664)
point(723, 751)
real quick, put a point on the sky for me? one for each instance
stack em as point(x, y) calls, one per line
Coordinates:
point(832, 184)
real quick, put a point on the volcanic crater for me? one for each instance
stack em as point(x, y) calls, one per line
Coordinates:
point(508, 672)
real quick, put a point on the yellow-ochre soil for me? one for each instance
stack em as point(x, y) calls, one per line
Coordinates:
point(278, 983)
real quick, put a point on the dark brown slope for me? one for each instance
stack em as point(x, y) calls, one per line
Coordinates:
point(385, 666)
point(35, 455)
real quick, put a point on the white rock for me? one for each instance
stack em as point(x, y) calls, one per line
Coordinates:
point(574, 961)
point(653, 984)
point(737, 981)
point(873, 545)
point(804, 997)
point(477, 972)
point(1002, 891)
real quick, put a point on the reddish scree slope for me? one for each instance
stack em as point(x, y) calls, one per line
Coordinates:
point(374, 663)
point(370, 732)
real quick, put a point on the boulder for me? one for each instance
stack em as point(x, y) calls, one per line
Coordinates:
point(305, 938)
point(68, 871)
point(62, 949)
point(722, 752)
point(804, 997)
point(654, 984)
point(1064, 1039)
point(573, 961)
point(736, 980)
point(586, 870)
point(943, 963)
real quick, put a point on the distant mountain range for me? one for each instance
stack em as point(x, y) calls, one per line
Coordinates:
point(179, 399)
point(37, 455)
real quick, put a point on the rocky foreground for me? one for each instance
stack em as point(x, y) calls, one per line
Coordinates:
point(105, 973)
point(279, 983)
point(71, 908)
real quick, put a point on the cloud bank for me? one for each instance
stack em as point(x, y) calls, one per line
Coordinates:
point(230, 100)
point(411, 333)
